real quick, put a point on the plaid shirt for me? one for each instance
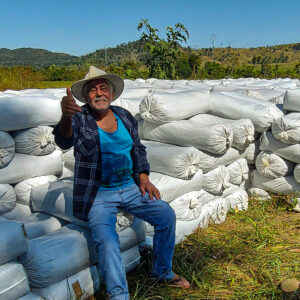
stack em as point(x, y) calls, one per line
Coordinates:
point(87, 153)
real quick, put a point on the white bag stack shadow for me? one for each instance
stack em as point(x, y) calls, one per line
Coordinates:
point(202, 137)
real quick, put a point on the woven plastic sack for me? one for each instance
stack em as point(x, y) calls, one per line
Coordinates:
point(28, 111)
point(31, 296)
point(39, 224)
point(81, 285)
point(14, 282)
point(238, 171)
point(271, 165)
point(287, 151)
point(236, 198)
point(297, 173)
point(34, 141)
point(164, 107)
point(171, 188)
point(262, 114)
point(7, 148)
point(286, 130)
point(69, 159)
point(19, 213)
point(188, 206)
point(216, 180)
point(25, 166)
point(13, 241)
point(174, 161)
point(282, 185)
point(23, 188)
point(258, 193)
point(243, 129)
point(53, 257)
point(129, 237)
point(7, 198)
point(292, 100)
point(215, 139)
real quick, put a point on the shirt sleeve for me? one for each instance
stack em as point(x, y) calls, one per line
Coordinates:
point(63, 142)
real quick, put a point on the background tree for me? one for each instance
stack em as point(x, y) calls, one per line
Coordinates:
point(162, 54)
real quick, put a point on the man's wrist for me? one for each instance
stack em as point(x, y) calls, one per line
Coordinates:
point(144, 177)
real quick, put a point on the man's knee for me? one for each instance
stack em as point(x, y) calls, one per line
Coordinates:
point(167, 218)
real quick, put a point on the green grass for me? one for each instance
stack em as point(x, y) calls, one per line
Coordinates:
point(246, 257)
point(53, 84)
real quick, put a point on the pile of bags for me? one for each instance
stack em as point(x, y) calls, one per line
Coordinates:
point(208, 143)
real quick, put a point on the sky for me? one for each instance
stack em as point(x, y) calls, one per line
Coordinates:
point(81, 27)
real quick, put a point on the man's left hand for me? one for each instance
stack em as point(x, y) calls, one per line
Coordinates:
point(147, 186)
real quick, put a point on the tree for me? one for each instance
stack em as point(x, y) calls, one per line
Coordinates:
point(162, 54)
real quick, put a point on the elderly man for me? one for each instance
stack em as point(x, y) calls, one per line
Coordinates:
point(111, 171)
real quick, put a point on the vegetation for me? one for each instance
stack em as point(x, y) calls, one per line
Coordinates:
point(162, 54)
point(246, 257)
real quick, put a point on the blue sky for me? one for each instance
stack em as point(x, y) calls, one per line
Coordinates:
point(80, 27)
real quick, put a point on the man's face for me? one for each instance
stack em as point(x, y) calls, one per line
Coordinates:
point(99, 94)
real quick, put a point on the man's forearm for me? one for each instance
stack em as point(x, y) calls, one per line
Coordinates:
point(65, 126)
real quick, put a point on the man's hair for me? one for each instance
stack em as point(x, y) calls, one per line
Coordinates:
point(85, 89)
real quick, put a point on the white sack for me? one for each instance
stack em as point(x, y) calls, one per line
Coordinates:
point(53, 257)
point(34, 141)
point(293, 116)
point(258, 193)
point(188, 206)
point(286, 130)
point(7, 198)
point(7, 148)
point(174, 161)
point(238, 171)
point(14, 282)
point(141, 129)
point(81, 285)
point(214, 211)
point(129, 237)
point(267, 95)
point(164, 107)
point(292, 100)
point(216, 180)
point(236, 198)
point(22, 112)
point(19, 213)
point(297, 173)
point(31, 296)
point(171, 188)
point(13, 241)
point(56, 199)
point(282, 185)
point(214, 139)
point(39, 224)
point(25, 166)
point(271, 165)
point(23, 188)
point(135, 92)
point(67, 175)
point(260, 113)
point(287, 151)
point(243, 129)
point(69, 159)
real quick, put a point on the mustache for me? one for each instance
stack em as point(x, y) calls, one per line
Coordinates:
point(100, 98)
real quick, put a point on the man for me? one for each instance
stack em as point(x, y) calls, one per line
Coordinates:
point(111, 171)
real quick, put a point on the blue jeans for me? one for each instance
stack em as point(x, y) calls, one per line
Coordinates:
point(102, 222)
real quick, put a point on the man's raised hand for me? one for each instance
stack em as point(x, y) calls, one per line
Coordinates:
point(68, 105)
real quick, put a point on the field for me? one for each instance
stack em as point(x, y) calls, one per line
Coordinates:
point(246, 257)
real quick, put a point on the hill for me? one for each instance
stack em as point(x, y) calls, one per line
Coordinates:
point(34, 57)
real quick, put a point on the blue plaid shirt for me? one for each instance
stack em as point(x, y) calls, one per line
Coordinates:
point(87, 153)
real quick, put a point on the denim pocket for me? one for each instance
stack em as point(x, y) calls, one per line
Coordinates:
point(146, 198)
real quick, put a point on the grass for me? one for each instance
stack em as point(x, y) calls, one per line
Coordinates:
point(246, 257)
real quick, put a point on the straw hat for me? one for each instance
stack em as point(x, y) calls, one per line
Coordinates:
point(94, 73)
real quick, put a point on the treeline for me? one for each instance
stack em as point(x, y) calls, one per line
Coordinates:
point(186, 67)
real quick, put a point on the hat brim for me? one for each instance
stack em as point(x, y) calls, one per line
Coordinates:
point(116, 81)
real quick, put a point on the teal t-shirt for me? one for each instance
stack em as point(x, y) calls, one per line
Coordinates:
point(115, 156)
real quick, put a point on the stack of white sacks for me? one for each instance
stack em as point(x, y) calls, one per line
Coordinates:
point(201, 138)
point(45, 253)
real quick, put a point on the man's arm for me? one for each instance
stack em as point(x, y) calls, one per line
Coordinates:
point(64, 135)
